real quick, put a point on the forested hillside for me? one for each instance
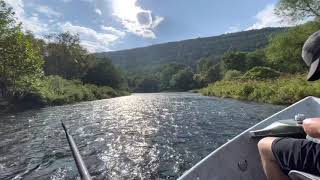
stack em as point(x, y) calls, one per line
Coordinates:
point(188, 52)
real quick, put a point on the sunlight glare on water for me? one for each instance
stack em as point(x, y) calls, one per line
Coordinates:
point(142, 136)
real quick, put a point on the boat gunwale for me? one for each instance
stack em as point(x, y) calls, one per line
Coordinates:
point(186, 173)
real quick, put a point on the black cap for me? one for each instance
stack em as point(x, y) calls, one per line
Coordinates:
point(311, 56)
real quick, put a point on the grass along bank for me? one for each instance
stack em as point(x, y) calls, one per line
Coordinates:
point(284, 90)
point(54, 90)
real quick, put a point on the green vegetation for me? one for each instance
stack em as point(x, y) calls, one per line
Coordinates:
point(260, 65)
point(272, 74)
point(54, 90)
point(182, 80)
point(299, 9)
point(234, 60)
point(284, 50)
point(104, 73)
point(189, 52)
point(285, 90)
point(260, 73)
point(232, 75)
point(280, 57)
point(37, 72)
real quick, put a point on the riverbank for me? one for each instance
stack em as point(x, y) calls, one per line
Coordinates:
point(53, 91)
point(285, 90)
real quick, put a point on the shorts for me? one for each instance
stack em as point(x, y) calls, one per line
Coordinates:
point(297, 154)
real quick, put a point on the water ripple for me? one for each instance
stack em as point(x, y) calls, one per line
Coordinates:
point(142, 136)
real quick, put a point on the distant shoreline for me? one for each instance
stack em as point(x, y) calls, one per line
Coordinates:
point(7, 107)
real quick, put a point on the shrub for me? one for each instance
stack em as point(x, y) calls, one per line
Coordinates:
point(232, 75)
point(285, 90)
point(260, 72)
point(54, 90)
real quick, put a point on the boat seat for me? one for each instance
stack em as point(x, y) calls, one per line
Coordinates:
point(298, 175)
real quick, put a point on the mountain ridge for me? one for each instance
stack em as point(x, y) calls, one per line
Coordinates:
point(189, 51)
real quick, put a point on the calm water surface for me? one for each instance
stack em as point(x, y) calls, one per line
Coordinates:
point(142, 136)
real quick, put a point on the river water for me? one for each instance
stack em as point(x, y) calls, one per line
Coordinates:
point(142, 136)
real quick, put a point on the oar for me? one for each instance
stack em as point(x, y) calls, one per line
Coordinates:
point(83, 171)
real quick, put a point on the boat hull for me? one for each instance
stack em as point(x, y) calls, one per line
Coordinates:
point(239, 158)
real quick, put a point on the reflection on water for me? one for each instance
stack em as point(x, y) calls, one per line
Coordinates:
point(143, 136)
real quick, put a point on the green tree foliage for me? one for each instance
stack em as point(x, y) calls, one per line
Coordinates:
point(18, 57)
point(284, 51)
point(104, 73)
point(259, 72)
point(66, 57)
point(182, 80)
point(213, 74)
point(148, 84)
point(204, 65)
point(188, 52)
point(207, 73)
point(199, 80)
point(234, 60)
point(167, 72)
point(298, 9)
point(256, 58)
point(232, 75)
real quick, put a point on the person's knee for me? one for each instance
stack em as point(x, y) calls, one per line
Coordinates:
point(264, 146)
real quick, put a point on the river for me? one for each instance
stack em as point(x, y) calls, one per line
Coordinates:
point(142, 136)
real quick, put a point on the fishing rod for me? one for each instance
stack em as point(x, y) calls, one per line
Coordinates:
point(82, 169)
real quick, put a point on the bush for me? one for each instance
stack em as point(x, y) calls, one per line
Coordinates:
point(232, 75)
point(260, 72)
point(54, 90)
point(285, 90)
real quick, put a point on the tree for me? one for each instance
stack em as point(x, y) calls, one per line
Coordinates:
point(18, 57)
point(232, 75)
point(104, 73)
point(213, 74)
point(66, 57)
point(298, 9)
point(199, 80)
point(148, 84)
point(284, 50)
point(204, 65)
point(167, 72)
point(182, 80)
point(233, 60)
point(256, 58)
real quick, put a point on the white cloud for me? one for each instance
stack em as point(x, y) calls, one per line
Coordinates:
point(98, 11)
point(268, 18)
point(91, 39)
point(135, 19)
point(47, 11)
point(233, 29)
point(30, 23)
point(113, 31)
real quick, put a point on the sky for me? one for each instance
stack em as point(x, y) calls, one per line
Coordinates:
point(110, 25)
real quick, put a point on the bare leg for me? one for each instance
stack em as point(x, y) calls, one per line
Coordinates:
point(269, 163)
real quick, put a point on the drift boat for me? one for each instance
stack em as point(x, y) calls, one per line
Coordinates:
point(239, 159)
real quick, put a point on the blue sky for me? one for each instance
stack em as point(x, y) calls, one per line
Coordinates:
point(106, 25)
